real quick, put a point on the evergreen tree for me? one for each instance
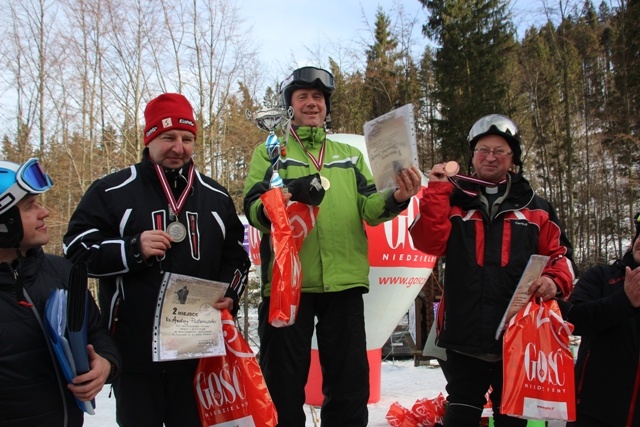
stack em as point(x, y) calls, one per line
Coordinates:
point(476, 44)
point(625, 102)
point(383, 70)
point(426, 113)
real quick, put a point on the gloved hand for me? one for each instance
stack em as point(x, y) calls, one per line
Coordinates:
point(307, 189)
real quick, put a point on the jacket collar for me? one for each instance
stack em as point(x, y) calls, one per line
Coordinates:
point(311, 136)
point(30, 265)
point(519, 194)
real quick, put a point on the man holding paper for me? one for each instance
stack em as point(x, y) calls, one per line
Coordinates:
point(134, 227)
point(33, 390)
point(333, 257)
point(487, 226)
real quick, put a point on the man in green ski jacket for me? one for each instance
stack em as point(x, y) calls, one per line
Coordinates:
point(334, 258)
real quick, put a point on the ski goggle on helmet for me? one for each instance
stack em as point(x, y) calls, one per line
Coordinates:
point(497, 124)
point(18, 181)
point(306, 78)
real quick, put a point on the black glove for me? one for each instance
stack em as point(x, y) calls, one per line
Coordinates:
point(307, 189)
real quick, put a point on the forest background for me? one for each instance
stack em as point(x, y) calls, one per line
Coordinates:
point(77, 74)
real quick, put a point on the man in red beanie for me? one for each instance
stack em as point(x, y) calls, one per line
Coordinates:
point(133, 226)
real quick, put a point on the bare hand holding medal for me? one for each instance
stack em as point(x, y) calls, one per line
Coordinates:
point(449, 171)
point(153, 243)
point(444, 171)
point(176, 229)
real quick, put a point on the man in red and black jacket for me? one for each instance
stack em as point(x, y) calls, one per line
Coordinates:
point(487, 226)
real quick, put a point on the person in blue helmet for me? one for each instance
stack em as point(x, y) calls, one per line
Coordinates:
point(333, 257)
point(33, 391)
point(487, 227)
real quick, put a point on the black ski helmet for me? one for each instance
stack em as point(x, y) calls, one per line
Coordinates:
point(16, 182)
point(497, 124)
point(306, 78)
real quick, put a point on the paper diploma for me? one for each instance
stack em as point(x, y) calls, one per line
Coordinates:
point(391, 145)
point(520, 297)
point(186, 326)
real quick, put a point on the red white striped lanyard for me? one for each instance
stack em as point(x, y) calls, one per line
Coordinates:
point(176, 206)
point(316, 162)
point(454, 180)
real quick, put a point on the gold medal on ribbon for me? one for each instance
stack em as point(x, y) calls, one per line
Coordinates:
point(324, 181)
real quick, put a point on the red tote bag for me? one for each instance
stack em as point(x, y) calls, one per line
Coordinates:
point(539, 379)
point(290, 225)
point(230, 390)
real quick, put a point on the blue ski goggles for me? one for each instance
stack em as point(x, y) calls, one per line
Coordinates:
point(309, 76)
point(32, 177)
point(28, 179)
point(498, 122)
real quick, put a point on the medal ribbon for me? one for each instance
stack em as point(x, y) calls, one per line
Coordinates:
point(176, 206)
point(316, 162)
point(454, 181)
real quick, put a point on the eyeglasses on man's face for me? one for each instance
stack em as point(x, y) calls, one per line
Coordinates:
point(498, 153)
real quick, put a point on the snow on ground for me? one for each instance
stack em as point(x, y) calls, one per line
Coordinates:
point(401, 381)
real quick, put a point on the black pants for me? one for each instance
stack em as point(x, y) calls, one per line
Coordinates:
point(468, 380)
point(285, 358)
point(157, 399)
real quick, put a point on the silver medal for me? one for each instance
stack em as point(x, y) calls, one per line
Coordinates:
point(177, 231)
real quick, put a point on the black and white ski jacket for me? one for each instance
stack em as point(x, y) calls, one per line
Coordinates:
point(105, 231)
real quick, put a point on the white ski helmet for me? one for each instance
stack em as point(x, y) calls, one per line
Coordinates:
point(497, 124)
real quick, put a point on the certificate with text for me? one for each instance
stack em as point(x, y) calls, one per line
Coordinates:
point(521, 297)
point(391, 145)
point(186, 325)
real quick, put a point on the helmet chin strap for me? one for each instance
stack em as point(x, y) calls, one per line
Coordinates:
point(11, 232)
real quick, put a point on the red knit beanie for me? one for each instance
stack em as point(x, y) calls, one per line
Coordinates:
point(168, 111)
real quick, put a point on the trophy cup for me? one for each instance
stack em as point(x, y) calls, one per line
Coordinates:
point(270, 119)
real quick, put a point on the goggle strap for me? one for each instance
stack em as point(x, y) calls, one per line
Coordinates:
point(309, 75)
point(13, 194)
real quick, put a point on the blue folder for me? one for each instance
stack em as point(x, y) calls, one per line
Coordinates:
point(77, 316)
point(69, 344)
